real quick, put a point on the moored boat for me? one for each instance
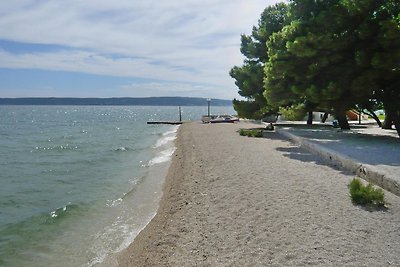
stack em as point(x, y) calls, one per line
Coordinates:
point(219, 119)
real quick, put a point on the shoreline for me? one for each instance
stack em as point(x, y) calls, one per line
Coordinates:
point(146, 196)
point(155, 225)
point(224, 204)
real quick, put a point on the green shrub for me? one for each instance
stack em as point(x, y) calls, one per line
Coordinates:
point(251, 132)
point(365, 195)
point(242, 132)
point(257, 133)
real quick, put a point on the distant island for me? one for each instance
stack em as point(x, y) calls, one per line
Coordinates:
point(117, 101)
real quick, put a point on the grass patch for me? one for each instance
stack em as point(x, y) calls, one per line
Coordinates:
point(251, 132)
point(366, 195)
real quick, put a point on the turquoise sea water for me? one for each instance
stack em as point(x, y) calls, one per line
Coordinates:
point(79, 182)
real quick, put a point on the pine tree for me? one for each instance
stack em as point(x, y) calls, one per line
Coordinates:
point(249, 77)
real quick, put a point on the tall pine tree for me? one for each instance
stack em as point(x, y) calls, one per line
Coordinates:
point(249, 77)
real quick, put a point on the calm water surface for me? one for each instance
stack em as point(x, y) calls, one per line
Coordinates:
point(79, 182)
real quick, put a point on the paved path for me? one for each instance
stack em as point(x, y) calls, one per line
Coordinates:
point(366, 149)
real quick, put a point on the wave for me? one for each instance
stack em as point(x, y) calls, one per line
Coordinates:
point(165, 147)
point(63, 211)
point(163, 141)
point(167, 137)
point(44, 218)
point(164, 156)
point(122, 149)
point(17, 238)
point(173, 131)
point(55, 148)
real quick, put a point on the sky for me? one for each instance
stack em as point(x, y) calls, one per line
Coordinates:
point(123, 48)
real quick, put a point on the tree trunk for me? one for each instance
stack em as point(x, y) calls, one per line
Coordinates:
point(388, 122)
point(373, 115)
point(342, 119)
point(325, 117)
point(310, 118)
point(396, 121)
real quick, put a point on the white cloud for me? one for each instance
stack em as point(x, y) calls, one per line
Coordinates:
point(191, 41)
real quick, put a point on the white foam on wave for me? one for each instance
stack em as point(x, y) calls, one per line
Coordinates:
point(126, 227)
point(164, 156)
point(163, 141)
point(120, 149)
point(167, 137)
point(166, 147)
point(172, 131)
point(131, 235)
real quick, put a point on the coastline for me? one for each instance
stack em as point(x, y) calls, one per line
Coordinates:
point(145, 238)
point(232, 200)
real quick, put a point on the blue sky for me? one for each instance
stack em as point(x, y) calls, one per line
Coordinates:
point(121, 48)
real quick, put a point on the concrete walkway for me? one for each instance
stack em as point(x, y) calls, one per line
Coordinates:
point(366, 150)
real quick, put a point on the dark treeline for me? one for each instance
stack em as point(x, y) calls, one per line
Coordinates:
point(119, 101)
point(322, 55)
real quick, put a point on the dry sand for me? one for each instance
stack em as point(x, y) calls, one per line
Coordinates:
point(237, 201)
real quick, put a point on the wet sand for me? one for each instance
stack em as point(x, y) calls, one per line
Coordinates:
point(237, 201)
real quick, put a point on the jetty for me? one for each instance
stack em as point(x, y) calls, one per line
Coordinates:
point(165, 122)
point(169, 122)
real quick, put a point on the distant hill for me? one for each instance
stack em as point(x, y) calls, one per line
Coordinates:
point(118, 101)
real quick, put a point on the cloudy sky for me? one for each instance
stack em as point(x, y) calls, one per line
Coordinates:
point(117, 48)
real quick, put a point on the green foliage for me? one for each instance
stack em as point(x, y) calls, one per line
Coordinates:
point(377, 53)
point(328, 55)
point(272, 20)
point(293, 113)
point(336, 54)
point(308, 59)
point(365, 195)
point(252, 109)
point(249, 77)
point(251, 132)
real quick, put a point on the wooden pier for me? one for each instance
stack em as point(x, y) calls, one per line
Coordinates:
point(165, 122)
point(169, 122)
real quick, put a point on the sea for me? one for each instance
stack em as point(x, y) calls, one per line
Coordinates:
point(78, 183)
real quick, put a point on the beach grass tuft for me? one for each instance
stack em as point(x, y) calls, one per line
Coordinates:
point(251, 132)
point(366, 194)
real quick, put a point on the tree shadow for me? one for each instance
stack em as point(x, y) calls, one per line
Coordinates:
point(372, 207)
point(296, 152)
point(273, 135)
point(372, 149)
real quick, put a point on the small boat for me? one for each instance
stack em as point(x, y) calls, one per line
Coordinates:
point(219, 119)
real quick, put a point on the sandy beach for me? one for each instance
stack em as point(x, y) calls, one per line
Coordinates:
point(231, 200)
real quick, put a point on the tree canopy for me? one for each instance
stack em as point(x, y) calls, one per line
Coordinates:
point(377, 53)
point(327, 55)
point(249, 77)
